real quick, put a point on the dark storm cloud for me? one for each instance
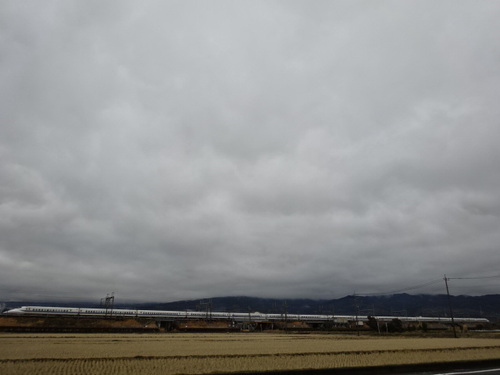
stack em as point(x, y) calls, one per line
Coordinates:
point(281, 149)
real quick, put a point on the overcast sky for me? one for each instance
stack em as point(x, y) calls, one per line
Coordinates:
point(168, 150)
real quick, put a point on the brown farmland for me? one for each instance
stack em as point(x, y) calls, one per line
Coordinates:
point(183, 353)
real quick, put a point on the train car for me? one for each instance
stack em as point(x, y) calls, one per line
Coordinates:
point(237, 316)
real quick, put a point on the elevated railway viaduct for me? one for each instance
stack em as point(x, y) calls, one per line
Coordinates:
point(194, 320)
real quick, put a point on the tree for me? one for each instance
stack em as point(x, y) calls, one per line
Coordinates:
point(395, 325)
point(372, 323)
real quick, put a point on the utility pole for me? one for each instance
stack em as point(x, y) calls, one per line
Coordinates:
point(109, 303)
point(449, 305)
point(285, 306)
point(356, 304)
point(207, 306)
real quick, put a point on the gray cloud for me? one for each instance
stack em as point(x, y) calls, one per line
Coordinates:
point(277, 149)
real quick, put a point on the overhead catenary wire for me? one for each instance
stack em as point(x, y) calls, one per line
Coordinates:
point(402, 290)
point(70, 296)
point(436, 281)
point(474, 278)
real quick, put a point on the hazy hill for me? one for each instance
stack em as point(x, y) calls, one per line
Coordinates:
point(398, 304)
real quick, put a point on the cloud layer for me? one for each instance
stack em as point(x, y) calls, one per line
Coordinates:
point(185, 149)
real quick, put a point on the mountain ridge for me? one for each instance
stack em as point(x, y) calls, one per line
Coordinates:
point(394, 305)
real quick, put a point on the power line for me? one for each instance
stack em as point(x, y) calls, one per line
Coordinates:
point(427, 284)
point(402, 290)
point(474, 278)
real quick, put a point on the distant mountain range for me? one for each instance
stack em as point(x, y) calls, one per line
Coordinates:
point(487, 306)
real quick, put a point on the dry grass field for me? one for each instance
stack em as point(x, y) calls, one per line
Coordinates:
point(151, 354)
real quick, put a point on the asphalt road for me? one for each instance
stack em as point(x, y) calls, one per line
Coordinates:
point(488, 367)
point(486, 371)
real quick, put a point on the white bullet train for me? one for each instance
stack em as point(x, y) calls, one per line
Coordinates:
point(237, 316)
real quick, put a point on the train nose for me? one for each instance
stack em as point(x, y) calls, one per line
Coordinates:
point(13, 312)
